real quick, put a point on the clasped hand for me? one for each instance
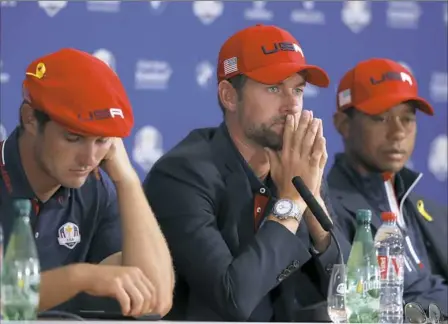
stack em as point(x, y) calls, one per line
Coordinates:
point(303, 154)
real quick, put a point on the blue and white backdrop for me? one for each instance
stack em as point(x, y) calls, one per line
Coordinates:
point(166, 52)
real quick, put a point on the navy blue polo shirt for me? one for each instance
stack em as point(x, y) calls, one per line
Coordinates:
point(73, 226)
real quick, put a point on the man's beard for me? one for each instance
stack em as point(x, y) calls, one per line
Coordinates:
point(265, 136)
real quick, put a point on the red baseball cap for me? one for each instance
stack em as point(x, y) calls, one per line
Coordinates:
point(80, 92)
point(376, 85)
point(266, 54)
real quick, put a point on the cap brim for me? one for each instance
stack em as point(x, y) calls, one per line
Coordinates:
point(275, 74)
point(378, 105)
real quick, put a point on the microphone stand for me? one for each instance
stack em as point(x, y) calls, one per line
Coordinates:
point(317, 211)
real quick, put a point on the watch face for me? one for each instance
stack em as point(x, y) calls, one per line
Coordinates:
point(283, 207)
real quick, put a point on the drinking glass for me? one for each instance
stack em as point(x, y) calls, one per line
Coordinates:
point(336, 295)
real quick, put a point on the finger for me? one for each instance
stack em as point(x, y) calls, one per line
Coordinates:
point(151, 295)
point(274, 159)
point(319, 134)
point(320, 131)
point(311, 118)
point(288, 133)
point(135, 295)
point(147, 294)
point(296, 120)
point(324, 157)
point(309, 140)
point(123, 299)
point(301, 131)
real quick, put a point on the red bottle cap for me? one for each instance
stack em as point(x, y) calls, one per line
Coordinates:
point(388, 217)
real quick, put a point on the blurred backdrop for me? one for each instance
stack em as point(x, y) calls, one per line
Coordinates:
point(165, 53)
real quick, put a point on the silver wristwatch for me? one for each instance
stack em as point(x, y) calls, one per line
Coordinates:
point(286, 208)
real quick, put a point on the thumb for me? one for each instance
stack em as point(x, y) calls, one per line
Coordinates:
point(273, 157)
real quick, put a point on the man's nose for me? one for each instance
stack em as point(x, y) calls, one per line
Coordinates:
point(291, 104)
point(86, 157)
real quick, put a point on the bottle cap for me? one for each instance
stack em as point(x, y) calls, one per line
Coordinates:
point(388, 217)
point(22, 206)
point(363, 216)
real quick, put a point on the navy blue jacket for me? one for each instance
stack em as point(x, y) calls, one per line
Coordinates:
point(203, 196)
point(350, 192)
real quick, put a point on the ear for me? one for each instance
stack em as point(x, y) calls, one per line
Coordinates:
point(228, 96)
point(341, 122)
point(29, 121)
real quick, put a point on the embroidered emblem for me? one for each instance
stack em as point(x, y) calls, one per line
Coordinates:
point(40, 71)
point(68, 235)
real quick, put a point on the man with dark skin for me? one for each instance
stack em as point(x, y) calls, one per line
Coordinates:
point(376, 115)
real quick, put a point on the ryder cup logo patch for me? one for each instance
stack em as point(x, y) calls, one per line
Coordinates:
point(68, 235)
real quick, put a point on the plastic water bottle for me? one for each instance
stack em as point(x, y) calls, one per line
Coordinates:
point(20, 269)
point(1, 250)
point(389, 242)
point(363, 274)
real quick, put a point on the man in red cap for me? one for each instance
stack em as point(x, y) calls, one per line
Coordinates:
point(244, 244)
point(377, 102)
point(94, 229)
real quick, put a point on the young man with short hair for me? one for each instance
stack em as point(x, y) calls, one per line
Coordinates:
point(94, 229)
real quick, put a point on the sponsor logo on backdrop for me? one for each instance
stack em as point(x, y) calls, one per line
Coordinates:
point(258, 12)
point(148, 147)
point(4, 77)
point(107, 57)
point(204, 74)
point(356, 15)
point(310, 91)
point(208, 11)
point(157, 7)
point(438, 87)
point(152, 75)
point(308, 15)
point(111, 6)
point(8, 3)
point(403, 14)
point(2, 132)
point(437, 161)
point(52, 7)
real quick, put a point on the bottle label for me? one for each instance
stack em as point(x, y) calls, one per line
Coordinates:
point(390, 266)
point(364, 287)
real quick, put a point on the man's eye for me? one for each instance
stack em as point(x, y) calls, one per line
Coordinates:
point(72, 138)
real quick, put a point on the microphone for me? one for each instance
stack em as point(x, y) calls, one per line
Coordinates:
point(317, 211)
